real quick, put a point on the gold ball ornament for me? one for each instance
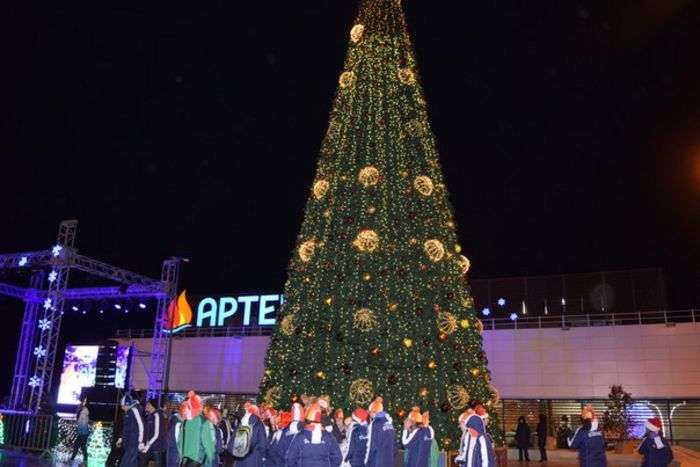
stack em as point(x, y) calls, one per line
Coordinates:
point(273, 395)
point(320, 189)
point(347, 79)
point(320, 374)
point(364, 319)
point(423, 392)
point(464, 264)
point(464, 323)
point(371, 210)
point(434, 249)
point(446, 442)
point(458, 248)
point(408, 343)
point(306, 250)
point(361, 391)
point(366, 277)
point(328, 301)
point(447, 322)
point(367, 240)
point(423, 185)
point(432, 365)
point(393, 306)
point(457, 396)
point(287, 325)
point(475, 371)
point(442, 337)
point(356, 33)
point(407, 76)
point(368, 176)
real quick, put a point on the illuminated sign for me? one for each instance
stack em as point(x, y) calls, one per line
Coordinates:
point(222, 311)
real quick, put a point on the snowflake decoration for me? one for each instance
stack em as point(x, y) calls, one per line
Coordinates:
point(47, 304)
point(486, 311)
point(22, 261)
point(34, 381)
point(44, 324)
point(501, 302)
point(53, 275)
point(513, 317)
point(56, 250)
point(40, 351)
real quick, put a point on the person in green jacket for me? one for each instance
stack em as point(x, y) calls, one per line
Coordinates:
point(197, 439)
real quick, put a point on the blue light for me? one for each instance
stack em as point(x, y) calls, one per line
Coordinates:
point(142, 306)
point(513, 316)
point(22, 261)
point(126, 310)
point(501, 302)
point(102, 311)
point(485, 312)
point(84, 312)
point(117, 306)
point(74, 308)
point(56, 250)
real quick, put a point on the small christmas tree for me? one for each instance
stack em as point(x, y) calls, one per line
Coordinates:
point(616, 421)
point(2, 430)
point(98, 448)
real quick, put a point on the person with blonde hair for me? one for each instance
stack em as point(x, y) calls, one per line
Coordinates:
point(417, 438)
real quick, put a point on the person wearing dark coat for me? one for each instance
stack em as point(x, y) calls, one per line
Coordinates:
point(115, 452)
point(358, 438)
point(276, 452)
point(522, 439)
point(258, 440)
point(132, 436)
point(314, 446)
point(542, 437)
point(589, 441)
point(381, 440)
point(417, 439)
point(228, 428)
point(172, 456)
point(154, 436)
point(654, 447)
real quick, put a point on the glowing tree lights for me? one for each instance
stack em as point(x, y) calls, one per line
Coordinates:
point(377, 298)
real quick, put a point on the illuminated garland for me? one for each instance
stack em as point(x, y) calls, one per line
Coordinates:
point(377, 301)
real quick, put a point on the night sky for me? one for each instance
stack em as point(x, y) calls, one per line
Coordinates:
point(569, 134)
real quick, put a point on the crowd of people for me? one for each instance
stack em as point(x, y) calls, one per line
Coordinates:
point(314, 434)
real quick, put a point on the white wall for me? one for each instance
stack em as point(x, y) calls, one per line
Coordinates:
point(649, 361)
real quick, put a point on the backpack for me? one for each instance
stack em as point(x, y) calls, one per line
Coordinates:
point(240, 443)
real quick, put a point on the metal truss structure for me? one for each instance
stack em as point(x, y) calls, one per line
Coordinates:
point(44, 302)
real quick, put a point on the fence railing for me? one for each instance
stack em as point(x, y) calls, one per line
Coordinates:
point(28, 431)
point(519, 321)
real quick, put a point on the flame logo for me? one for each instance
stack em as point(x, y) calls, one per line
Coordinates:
point(179, 314)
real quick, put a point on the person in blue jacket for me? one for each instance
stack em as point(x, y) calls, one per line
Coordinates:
point(589, 441)
point(381, 440)
point(314, 446)
point(154, 435)
point(654, 447)
point(132, 432)
point(417, 439)
point(358, 438)
point(276, 452)
point(172, 456)
point(476, 449)
point(258, 440)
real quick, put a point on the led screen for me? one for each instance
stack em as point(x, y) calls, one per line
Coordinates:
point(79, 365)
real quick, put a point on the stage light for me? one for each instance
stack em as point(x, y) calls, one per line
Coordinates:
point(22, 261)
point(117, 306)
point(501, 302)
point(74, 308)
point(485, 312)
point(513, 316)
point(142, 306)
point(84, 312)
point(102, 311)
point(563, 302)
point(126, 310)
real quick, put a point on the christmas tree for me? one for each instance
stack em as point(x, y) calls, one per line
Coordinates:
point(377, 301)
point(98, 447)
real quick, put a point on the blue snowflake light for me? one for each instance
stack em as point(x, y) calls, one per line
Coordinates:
point(56, 250)
point(47, 303)
point(22, 261)
point(53, 275)
point(513, 316)
point(34, 381)
point(486, 312)
point(501, 301)
point(40, 351)
point(44, 324)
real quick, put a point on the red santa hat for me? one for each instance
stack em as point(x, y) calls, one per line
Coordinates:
point(251, 408)
point(377, 405)
point(360, 415)
point(191, 407)
point(284, 420)
point(653, 424)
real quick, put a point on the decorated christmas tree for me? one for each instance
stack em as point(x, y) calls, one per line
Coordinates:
point(377, 301)
point(98, 447)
